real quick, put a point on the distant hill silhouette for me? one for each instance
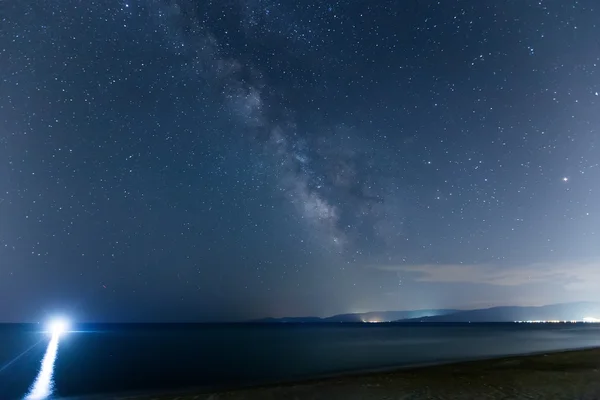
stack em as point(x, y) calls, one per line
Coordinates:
point(387, 316)
point(373, 316)
point(562, 312)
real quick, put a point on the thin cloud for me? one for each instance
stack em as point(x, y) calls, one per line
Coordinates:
point(570, 275)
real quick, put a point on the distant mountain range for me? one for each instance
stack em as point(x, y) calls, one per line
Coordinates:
point(561, 312)
point(553, 312)
point(373, 316)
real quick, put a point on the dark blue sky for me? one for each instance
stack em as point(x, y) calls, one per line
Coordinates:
point(190, 160)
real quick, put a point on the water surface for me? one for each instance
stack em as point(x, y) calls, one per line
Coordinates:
point(145, 358)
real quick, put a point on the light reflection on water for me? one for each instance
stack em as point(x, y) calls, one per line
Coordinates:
point(44, 382)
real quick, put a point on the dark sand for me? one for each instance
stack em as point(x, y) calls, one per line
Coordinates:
point(567, 375)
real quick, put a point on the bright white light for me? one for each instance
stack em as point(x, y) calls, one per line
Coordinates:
point(591, 320)
point(58, 326)
point(44, 382)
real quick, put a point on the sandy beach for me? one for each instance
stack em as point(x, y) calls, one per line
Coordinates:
point(566, 375)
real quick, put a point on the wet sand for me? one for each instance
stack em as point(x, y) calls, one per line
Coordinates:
point(566, 375)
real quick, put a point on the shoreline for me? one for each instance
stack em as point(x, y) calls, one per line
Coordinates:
point(572, 373)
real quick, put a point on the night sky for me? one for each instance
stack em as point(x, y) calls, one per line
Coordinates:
point(223, 160)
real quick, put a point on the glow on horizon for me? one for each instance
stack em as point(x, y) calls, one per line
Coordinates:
point(591, 319)
point(58, 326)
point(44, 382)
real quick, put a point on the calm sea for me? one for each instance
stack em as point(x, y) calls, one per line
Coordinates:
point(146, 358)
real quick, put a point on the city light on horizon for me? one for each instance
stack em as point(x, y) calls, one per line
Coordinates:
point(557, 321)
point(591, 320)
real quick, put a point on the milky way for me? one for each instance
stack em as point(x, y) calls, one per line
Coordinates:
point(320, 173)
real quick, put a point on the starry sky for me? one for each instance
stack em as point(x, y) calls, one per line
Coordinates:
point(186, 160)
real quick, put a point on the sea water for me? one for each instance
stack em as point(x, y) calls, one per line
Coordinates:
point(143, 358)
